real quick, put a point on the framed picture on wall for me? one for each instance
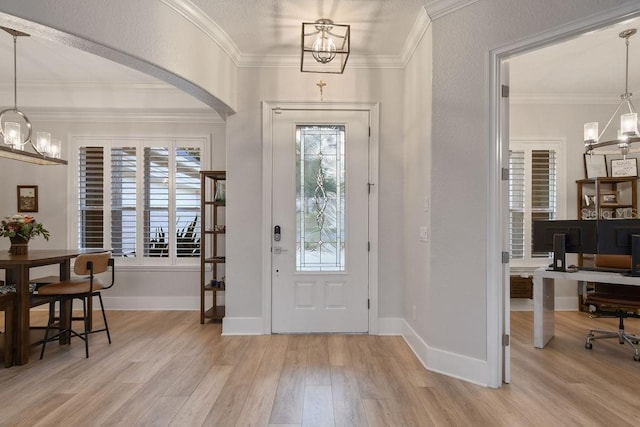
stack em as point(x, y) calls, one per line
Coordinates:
point(27, 198)
point(595, 165)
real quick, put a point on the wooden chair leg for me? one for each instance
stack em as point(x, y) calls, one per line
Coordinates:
point(8, 336)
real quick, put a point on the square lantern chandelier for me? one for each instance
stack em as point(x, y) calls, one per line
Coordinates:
point(45, 151)
point(628, 132)
point(325, 47)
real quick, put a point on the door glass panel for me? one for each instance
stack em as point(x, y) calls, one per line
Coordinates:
point(320, 198)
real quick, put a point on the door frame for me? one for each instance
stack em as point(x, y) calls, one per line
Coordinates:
point(496, 226)
point(267, 175)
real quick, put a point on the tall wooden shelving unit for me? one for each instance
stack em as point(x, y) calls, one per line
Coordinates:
point(606, 198)
point(212, 244)
point(601, 199)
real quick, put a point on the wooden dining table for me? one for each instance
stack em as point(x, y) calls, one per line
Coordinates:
point(17, 269)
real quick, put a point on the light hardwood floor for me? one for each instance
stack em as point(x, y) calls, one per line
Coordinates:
point(164, 368)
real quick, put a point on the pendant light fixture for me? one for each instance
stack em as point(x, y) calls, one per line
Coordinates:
point(11, 132)
point(628, 132)
point(325, 47)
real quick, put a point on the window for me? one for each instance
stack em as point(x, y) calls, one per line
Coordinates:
point(140, 198)
point(536, 187)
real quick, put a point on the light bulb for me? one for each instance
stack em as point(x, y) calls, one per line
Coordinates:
point(629, 124)
point(591, 132)
point(43, 142)
point(324, 49)
point(12, 133)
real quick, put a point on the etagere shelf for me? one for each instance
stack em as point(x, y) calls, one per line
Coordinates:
point(604, 198)
point(212, 244)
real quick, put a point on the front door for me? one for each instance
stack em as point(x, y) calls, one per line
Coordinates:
point(320, 215)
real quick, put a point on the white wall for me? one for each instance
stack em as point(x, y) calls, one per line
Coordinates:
point(244, 179)
point(160, 287)
point(460, 158)
point(417, 184)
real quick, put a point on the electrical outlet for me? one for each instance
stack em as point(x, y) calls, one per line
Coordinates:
point(427, 203)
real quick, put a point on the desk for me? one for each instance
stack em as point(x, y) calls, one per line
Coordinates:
point(544, 294)
point(17, 271)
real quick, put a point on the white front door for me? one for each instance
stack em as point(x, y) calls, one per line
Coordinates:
point(320, 214)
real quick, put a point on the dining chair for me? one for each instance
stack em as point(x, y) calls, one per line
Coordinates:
point(83, 288)
point(7, 302)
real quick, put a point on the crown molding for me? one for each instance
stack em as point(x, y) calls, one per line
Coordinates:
point(418, 30)
point(293, 61)
point(202, 21)
point(439, 8)
point(202, 116)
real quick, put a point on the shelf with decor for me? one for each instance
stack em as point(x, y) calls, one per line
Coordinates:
point(213, 232)
point(605, 198)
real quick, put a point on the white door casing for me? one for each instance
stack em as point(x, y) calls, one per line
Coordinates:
point(335, 298)
point(506, 300)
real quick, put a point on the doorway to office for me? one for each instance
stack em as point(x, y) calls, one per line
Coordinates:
point(509, 106)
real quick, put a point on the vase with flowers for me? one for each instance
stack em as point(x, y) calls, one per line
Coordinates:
point(20, 229)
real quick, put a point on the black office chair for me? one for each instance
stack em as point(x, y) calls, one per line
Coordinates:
point(613, 300)
point(84, 288)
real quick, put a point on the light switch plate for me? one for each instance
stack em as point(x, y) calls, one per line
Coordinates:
point(423, 234)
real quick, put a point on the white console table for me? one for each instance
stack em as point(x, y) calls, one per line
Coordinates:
point(544, 294)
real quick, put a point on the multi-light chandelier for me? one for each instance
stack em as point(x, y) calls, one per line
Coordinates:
point(325, 47)
point(46, 151)
point(628, 131)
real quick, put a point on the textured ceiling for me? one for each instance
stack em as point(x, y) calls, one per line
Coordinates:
point(589, 66)
point(272, 27)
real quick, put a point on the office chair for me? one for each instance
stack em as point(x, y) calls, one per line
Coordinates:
point(613, 300)
point(83, 288)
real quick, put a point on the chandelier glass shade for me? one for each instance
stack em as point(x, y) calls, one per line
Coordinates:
point(628, 131)
point(325, 47)
point(11, 129)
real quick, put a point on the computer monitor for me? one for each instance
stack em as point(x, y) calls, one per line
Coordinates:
point(564, 236)
point(620, 237)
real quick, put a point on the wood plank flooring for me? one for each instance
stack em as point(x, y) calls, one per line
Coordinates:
point(165, 369)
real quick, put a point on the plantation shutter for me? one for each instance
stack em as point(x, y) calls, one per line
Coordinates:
point(516, 203)
point(543, 188)
point(123, 201)
point(156, 202)
point(532, 197)
point(91, 198)
point(187, 191)
point(141, 198)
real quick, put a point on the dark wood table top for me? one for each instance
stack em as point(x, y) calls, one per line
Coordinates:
point(41, 256)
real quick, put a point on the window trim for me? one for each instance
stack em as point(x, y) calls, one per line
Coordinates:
point(560, 146)
point(140, 142)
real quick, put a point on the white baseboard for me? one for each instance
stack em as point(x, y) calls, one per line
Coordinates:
point(242, 326)
point(149, 303)
point(466, 368)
